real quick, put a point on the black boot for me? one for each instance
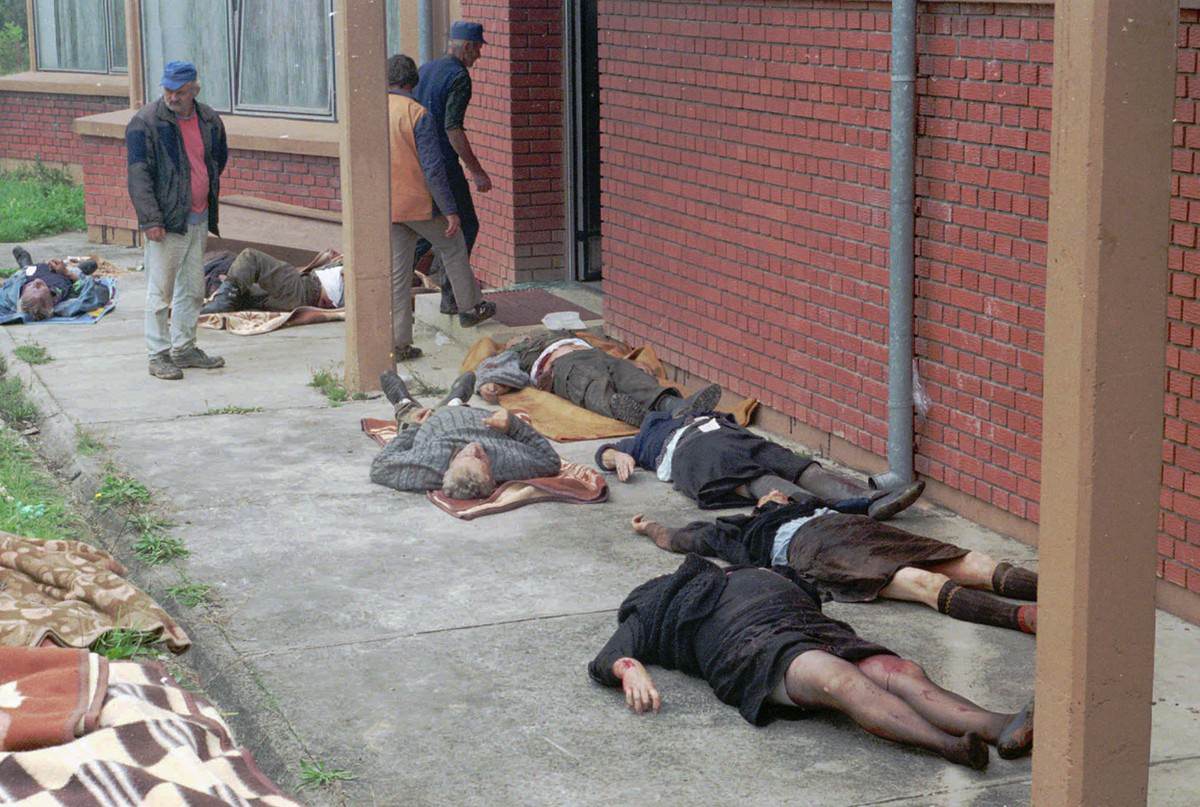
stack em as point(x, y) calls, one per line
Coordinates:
point(87, 267)
point(462, 389)
point(23, 257)
point(393, 387)
point(627, 409)
point(228, 298)
point(448, 304)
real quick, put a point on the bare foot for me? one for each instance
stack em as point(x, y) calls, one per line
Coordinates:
point(970, 750)
point(1016, 738)
point(641, 525)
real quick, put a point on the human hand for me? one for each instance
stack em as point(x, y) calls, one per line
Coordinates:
point(498, 420)
point(773, 496)
point(641, 525)
point(155, 233)
point(483, 183)
point(640, 694)
point(624, 465)
point(422, 414)
point(453, 224)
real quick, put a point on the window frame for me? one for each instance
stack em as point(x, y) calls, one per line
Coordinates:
point(35, 25)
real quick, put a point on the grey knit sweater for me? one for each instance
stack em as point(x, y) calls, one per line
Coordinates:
point(420, 455)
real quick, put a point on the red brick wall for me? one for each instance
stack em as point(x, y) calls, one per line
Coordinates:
point(38, 125)
point(515, 127)
point(1179, 527)
point(308, 181)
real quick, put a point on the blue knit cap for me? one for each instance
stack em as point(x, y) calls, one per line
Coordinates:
point(176, 74)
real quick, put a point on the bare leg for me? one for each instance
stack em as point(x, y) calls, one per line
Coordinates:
point(911, 584)
point(817, 678)
point(973, 569)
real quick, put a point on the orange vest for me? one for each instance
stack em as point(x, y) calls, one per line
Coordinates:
point(411, 200)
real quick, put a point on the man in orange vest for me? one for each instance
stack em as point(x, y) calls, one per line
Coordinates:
point(422, 207)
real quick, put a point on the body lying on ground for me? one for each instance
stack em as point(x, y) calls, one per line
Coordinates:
point(462, 451)
point(717, 463)
point(760, 640)
point(54, 288)
point(561, 363)
point(853, 558)
point(255, 281)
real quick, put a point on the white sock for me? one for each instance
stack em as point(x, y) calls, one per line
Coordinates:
point(454, 402)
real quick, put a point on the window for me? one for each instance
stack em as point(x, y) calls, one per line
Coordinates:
point(68, 38)
point(258, 57)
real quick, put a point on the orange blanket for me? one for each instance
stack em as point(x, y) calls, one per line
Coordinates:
point(562, 421)
point(48, 695)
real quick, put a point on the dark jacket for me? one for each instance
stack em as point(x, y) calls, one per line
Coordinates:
point(159, 174)
point(438, 78)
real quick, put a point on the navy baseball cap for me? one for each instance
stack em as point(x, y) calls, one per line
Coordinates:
point(467, 32)
point(176, 74)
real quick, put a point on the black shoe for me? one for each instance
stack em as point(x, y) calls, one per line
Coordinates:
point(227, 298)
point(86, 267)
point(23, 257)
point(485, 310)
point(700, 402)
point(462, 388)
point(889, 503)
point(407, 353)
point(627, 409)
point(393, 387)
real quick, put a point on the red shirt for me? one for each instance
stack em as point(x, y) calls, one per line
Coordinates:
point(193, 144)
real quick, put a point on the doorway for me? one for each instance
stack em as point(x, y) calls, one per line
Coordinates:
point(583, 139)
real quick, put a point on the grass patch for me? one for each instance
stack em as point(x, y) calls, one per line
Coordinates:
point(329, 382)
point(229, 410)
point(31, 501)
point(125, 643)
point(39, 201)
point(318, 774)
point(189, 594)
point(118, 490)
point(87, 443)
point(15, 407)
point(33, 353)
point(418, 387)
point(153, 545)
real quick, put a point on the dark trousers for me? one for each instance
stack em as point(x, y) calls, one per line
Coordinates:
point(460, 188)
point(589, 378)
point(286, 288)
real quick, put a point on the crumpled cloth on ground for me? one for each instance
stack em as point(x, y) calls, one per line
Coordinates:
point(251, 323)
point(48, 695)
point(153, 743)
point(68, 593)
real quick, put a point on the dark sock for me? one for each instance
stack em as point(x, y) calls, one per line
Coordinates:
point(1010, 581)
point(983, 608)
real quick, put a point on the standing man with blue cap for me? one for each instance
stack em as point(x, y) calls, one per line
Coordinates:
point(444, 90)
point(176, 152)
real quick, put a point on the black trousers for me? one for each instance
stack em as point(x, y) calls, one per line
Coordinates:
point(588, 378)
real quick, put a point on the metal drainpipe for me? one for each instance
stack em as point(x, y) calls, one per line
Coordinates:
point(425, 30)
point(900, 252)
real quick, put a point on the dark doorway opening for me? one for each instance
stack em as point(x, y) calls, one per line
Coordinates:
point(583, 139)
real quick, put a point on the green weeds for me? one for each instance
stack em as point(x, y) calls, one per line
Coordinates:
point(316, 774)
point(190, 594)
point(125, 643)
point(33, 353)
point(154, 546)
point(15, 406)
point(329, 382)
point(31, 502)
point(119, 490)
point(229, 410)
point(87, 443)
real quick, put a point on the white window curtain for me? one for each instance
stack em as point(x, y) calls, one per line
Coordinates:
point(393, 27)
point(285, 56)
point(197, 31)
point(118, 58)
point(71, 35)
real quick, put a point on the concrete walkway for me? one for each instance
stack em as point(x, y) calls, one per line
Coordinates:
point(443, 662)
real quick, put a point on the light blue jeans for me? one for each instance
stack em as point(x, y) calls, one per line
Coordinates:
point(174, 285)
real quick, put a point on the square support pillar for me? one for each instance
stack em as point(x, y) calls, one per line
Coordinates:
point(1105, 340)
point(360, 35)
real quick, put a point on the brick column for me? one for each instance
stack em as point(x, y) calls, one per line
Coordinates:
point(515, 127)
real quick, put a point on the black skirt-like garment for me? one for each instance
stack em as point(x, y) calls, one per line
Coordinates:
point(851, 558)
point(708, 467)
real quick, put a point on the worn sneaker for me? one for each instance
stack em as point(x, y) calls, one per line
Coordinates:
point(227, 298)
point(462, 389)
point(485, 310)
point(393, 387)
point(700, 402)
point(195, 357)
point(886, 504)
point(627, 409)
point(162, 367)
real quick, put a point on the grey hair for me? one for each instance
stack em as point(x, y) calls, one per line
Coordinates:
point(39, 308)
point(458, 483)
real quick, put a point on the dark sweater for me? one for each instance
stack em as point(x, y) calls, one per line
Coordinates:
point(646, 446)
point(418, 458)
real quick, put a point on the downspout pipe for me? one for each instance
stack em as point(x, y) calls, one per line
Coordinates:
point(425, 47)
point(900, 250)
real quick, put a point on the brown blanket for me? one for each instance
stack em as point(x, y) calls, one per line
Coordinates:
point(562, 421)
point(574, 484)
point(48, 695)
point(67, 593)
point(153, 743)
point(250, 323)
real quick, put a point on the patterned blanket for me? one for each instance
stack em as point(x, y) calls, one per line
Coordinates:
point(573, 484)
point(250, 323)
point(68, 593)
point(48, 695)
point(154, 743)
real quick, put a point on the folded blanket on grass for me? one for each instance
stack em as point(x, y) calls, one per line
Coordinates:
point(48, 695)
point(573, 484)
point(562, 421)
point(153, 743)
point(250, 323)
point(67, 593)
